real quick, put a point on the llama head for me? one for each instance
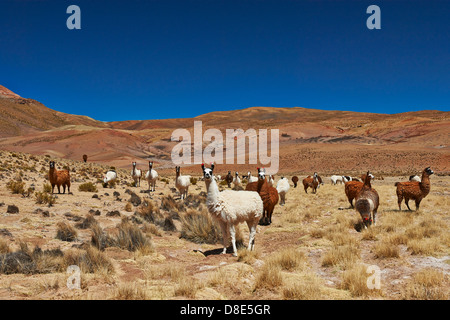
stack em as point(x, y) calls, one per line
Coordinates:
point(261, 173)
point(367, 218)
point(150, 164)
point(134, 164)
point(208, 172)
point(52, 164)
point(236, 173)
point(428, 171)
point(177, 169)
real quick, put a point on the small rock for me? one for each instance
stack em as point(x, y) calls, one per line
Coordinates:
point(12, 209)
point(113, 213)
point(94, 212)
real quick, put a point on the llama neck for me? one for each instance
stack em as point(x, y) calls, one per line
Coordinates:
point(260, 184)
point(212, 191)
point(52, 172)
point(425, 183)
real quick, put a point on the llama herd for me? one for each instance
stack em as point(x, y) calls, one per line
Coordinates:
point(256, 203)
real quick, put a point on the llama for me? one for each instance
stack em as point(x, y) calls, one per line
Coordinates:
point(311, 182)
point(367, 202)
point(182, 183)
point(295, 181)
point(151, 176)
point(271, 180)
point(109, 178)
point(230, 207)
point(85, 157)
point(413, 190)
point(229, 179)
point(136, 174)
point(236, 180)
point(352, 188)
point(250, 178)
point(335, 179)
point(59, 178)
point(268, 194)
point(283, 188)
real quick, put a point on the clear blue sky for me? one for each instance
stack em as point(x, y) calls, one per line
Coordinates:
point(170, 59)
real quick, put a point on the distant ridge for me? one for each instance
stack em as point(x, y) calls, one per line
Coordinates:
point(310, 139)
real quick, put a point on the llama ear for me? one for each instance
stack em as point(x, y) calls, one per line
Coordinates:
point(212, 166)
point(203, 167)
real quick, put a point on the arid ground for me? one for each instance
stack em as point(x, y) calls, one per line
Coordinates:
point(132, 244)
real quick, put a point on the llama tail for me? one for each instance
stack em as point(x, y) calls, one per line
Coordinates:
point(364, 205)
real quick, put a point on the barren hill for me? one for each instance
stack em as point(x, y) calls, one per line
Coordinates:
point(310, 139)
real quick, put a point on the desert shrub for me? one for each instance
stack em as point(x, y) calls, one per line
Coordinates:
point(169, 204)
point(26, 261)
point(87, 222)
point(16, 187)
point(131, 238)
point(88, 187)
point(4, 247)
point(193, 181)
point(100, 239)
point(47, 187)
point(90, 260)
point(66, 232)
point(198, 227)
point(44, 198)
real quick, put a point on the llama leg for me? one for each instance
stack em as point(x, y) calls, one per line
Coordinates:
point(406, 202)
point(418, 204)
point(64, 188)
point(225, 236)
point(53, 187)
point(351, 202)
point(59, 190)
point(251, 240)
point(399, 201)
point(232, 231)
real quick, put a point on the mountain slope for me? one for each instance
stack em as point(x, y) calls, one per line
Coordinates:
point(310, 139)
point(19, 116)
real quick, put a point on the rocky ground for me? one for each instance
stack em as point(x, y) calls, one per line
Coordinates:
point(314, 249)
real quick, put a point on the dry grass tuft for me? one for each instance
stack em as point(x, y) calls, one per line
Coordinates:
point(342, 256)
point(90, 260)
point(355, 280)
point(198, 227)
point(309, 288)
point(66, 232)
point(427, 284)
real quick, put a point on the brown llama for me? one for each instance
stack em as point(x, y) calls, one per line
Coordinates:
point(59, 178)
